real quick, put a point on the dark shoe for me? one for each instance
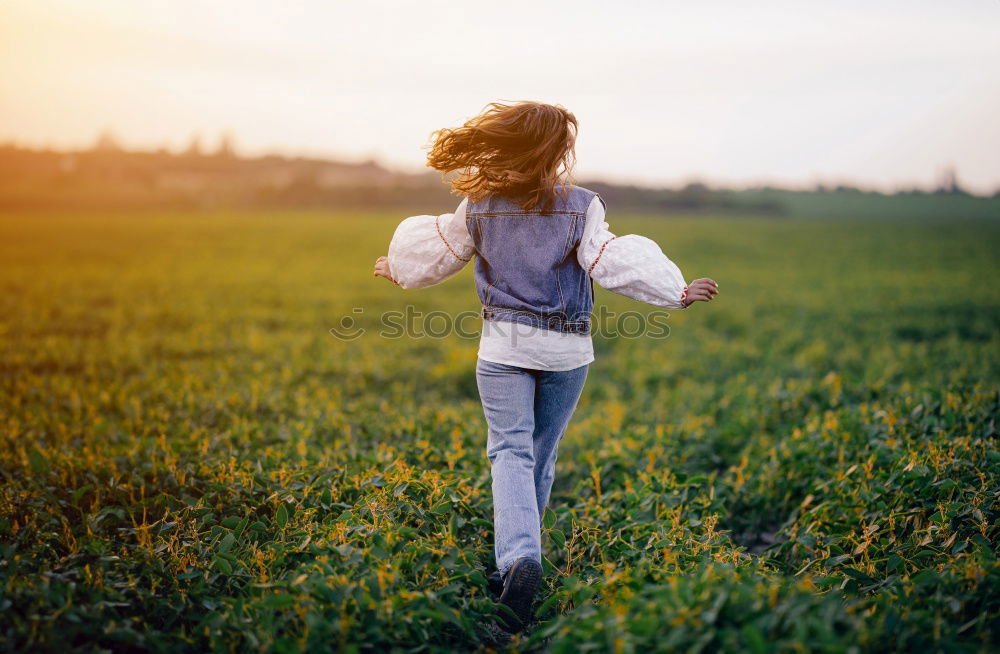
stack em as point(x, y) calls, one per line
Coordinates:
point(496, 635)
point(495, 582)
point(520, 586)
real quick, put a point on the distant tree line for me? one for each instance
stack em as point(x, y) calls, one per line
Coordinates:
point(107, 176)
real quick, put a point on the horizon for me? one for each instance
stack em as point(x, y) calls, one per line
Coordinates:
point(947, 178)
point(738, 97)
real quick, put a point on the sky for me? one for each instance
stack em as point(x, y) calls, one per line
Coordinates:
point(885, 95)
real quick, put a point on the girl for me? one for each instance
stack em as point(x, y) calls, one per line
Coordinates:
point(539, 243)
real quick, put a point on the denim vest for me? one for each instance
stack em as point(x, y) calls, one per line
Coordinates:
point(526, 268)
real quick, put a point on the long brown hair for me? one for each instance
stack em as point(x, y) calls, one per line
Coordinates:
point(511, 150)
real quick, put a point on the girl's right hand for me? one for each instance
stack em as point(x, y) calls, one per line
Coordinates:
point(700, 290)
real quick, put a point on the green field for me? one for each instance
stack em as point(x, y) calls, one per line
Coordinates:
point(190, 461)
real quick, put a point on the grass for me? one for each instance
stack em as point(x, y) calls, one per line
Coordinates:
point(190, 461)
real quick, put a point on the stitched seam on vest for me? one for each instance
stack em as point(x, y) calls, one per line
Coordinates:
point(569, 237)
point(562, 300)
point(539, 319)
point(494, 214)
point(437, 224)
point(600, 254)
point(561, 317)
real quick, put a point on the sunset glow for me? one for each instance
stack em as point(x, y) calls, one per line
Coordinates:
point(885, 95)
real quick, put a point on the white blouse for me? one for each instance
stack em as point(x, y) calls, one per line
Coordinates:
point(427, 250)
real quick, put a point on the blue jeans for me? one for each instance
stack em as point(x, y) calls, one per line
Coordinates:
point(527, 412)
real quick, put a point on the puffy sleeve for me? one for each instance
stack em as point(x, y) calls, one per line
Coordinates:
point(426, 250)
point(630, 265)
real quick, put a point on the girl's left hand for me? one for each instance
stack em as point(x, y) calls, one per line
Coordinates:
point(382, 269)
